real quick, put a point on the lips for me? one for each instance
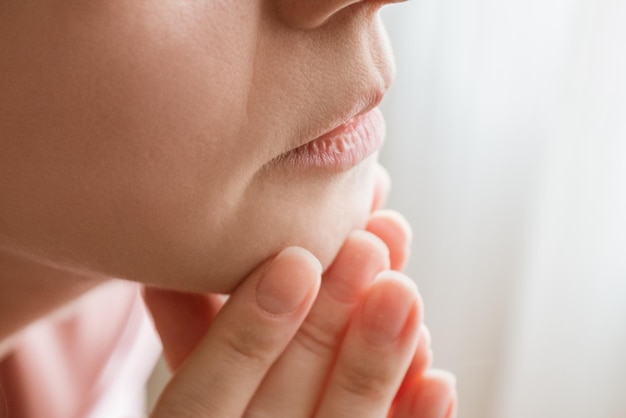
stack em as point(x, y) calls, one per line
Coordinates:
point(342, 148)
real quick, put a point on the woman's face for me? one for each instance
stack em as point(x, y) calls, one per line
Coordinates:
point(150, 139)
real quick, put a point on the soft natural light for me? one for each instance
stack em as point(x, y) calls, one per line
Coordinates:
point(507, 147)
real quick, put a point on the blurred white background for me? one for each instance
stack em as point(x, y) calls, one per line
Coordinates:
point(507, 147)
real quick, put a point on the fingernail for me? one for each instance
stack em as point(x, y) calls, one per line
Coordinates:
point(387, 308)
point(362, 256)
point(288, 281)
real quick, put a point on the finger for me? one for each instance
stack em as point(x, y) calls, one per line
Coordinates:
point(304, 366)
point(432, 395)
point(423, 357)
point(381, 188)
point(181, 320)
point(421, 362)
point(376, 351)
point(395, 231)
point(220, 376)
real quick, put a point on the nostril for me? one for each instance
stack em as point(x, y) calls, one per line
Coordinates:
point(306, 14)
point(311, 14)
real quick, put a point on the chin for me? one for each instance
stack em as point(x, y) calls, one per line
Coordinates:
point(215, 253)
point(331, 235)
point(319, 217)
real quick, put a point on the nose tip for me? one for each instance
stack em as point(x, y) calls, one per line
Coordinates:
point(310, 14)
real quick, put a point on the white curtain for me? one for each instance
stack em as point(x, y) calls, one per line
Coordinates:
point(507, 147)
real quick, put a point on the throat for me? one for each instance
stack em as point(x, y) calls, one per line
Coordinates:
point(32, 290)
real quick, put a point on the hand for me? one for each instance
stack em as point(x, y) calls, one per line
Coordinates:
point(287, 354)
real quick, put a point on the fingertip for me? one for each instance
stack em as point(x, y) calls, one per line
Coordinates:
point(446, 377)
point(434, 395)
point(304, 256)
point(391, 310)
point(407, 287)
point(367, 245)
point(393, 278)
point(393, 219)
point(360, 258)
point(289, 282)
point(394, 230)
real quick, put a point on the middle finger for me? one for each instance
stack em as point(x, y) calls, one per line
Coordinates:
point(302, 369)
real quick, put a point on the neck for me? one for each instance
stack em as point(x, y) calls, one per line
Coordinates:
point(31, 290)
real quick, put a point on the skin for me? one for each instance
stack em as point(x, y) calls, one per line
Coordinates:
point(142, 140)
point(142, 134)
point(323, 365)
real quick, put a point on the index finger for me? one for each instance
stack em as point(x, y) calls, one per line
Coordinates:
point(253, 328)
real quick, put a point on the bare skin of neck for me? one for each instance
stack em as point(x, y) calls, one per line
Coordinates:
point(31, 290)
point(87, 326)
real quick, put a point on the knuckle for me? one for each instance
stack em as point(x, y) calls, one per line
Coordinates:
point(250, 347)
point(316, 339)
point(182, 404)
point(364, 380)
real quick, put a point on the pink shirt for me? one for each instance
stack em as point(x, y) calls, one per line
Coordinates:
point(89, 360)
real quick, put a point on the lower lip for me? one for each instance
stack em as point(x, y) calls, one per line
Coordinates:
point(342, 148)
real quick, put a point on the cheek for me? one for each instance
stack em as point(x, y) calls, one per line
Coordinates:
point(127, 149)
point(213, 250)
point(121, 136)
